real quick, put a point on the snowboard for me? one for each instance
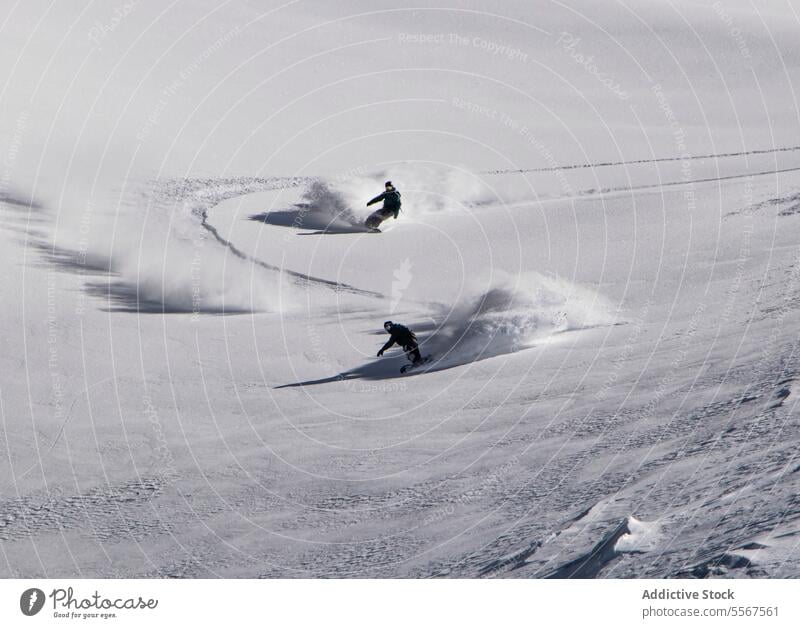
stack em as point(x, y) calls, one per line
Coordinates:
point(411, 367)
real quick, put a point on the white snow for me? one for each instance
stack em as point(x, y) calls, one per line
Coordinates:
point(191, 308)
point(643, 536)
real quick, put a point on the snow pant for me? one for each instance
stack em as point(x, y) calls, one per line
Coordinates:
point(375, 219)
point(412, 353)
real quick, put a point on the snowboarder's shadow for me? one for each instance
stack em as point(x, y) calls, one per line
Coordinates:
point(335, 231)
point(379, 369)
point(375, 370)
point(303, 217)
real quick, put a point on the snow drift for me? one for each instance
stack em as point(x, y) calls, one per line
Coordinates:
point(514, 315)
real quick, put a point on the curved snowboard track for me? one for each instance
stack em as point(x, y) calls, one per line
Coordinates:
point(205, 194)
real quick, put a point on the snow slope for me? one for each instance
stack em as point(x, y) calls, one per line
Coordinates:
point(191, 309)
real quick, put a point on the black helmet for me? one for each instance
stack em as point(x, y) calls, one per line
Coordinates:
point(388, 325)
point(388, 184)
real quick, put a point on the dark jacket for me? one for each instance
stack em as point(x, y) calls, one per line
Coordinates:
point(391, 200)
point(401, 335)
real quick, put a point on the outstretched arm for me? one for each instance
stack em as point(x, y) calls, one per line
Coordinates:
point(377, 199)
point(386, 346)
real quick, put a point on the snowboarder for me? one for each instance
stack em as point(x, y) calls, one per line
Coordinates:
point(391, 206)
point(404, 337)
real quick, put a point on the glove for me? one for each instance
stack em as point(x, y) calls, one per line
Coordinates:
point(380, 353)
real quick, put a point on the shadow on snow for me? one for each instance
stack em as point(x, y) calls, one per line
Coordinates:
point(386, 368)
point(305, 217)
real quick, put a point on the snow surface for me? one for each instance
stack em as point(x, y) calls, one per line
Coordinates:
point(191, 308)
